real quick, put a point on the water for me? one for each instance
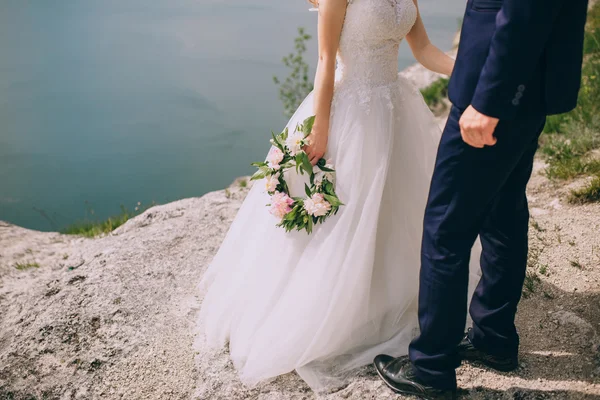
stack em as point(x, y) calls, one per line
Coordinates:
point(109, 102)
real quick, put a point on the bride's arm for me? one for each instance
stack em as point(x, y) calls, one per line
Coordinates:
point(424, 51)
point(331, 19)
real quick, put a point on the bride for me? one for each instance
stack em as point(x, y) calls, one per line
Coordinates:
point(327, 303)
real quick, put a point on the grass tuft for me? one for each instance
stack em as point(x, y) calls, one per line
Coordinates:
point(531, 282)
point(91, 228)
point(576, 264)
point(537, 226)
point(26, 265)
point(588, 194)
point(568, 153)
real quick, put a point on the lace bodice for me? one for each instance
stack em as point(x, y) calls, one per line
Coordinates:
point(370, 39)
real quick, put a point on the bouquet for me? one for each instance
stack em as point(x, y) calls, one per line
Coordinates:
point(299, 213)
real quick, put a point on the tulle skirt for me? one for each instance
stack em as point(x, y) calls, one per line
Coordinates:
point(327, 303)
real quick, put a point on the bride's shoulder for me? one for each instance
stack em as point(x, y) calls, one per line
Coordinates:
point(316, 7)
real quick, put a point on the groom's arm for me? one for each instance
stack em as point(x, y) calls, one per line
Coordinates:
point(522, 30)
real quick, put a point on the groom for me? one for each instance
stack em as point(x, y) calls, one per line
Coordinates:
point(518, 61)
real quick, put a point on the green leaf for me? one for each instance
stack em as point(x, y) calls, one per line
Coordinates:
point(284, 134)
point(309, 226)
point(299, 163)
point(322, 162)
point(260, 174)
point(307, 125)
point(290, 216)
point(333, 200)
point(276, 142)
point(259, 164)
point(325, 169)
point(307, 190)
point(327, 187)
point(306, 165)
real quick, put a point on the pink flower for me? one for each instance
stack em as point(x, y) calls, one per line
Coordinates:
point(274, 157)
point(317, 205)
point(280, 205)
point(271, 182)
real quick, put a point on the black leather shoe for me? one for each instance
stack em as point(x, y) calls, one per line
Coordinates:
point(398, 374)
point(470, 353)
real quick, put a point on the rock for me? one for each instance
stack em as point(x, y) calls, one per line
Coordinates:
point(555, 204)
point(569, 318)
point(133, 299)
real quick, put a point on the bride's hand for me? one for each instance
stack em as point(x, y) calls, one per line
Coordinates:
point(317, 144)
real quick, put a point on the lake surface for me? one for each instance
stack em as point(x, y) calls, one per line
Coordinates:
point(112, 102)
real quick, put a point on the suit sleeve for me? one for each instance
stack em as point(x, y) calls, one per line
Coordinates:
point(522, 30)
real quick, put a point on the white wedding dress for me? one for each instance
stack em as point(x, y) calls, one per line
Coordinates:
point(326, 303)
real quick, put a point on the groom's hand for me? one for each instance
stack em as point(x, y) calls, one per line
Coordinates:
point(477, 130)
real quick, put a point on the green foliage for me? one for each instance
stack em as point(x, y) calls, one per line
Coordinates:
point(570, 138)
point(294, 89)
point(568, 153)
point(588, 103)
point(592, 34)
point(26, 265)
point(93, 228)
point(532, 280)
point(435, 94)
point(588, 194)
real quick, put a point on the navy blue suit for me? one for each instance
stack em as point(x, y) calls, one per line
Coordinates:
point(518, 60)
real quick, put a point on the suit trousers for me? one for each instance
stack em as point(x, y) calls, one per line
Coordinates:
point(474, 192)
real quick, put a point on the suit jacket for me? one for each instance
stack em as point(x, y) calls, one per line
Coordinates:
point(517, 55)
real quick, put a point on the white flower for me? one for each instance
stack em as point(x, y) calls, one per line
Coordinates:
point(271, 182)
point(294, 142)
point(317, 205)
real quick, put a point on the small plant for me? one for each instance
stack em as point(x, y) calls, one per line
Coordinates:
point(243, 183)
point(537, 226)
point(294, 89)
point(543, 269)
point(588, 194)
point(21, 266)
point(530, 284)
point(435, 94)
point(576, 264)
point(533, 257)
point(94, 365)
point(93, 228)
point(549, 296)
